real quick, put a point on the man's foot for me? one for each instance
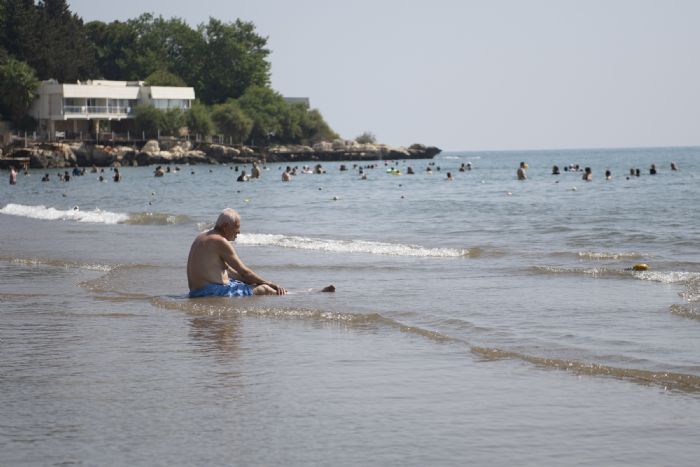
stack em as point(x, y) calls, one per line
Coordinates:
point(330, 288)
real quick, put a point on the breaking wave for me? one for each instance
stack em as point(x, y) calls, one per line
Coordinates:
point(666, 277)
point(57, 263)
point(686, 311)
point(670, 277)
point(352, 246)
point(156, 218)
point(600, 255)
point(95, 216)
point(593, 272)
point(609, 255)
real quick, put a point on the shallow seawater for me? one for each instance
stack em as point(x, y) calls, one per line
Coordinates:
point(482, 321)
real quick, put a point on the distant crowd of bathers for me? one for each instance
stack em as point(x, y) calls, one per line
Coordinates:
point(587, 176)
point(66, 175)
point(290, 172)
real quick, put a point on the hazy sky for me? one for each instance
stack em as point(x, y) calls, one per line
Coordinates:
point(475, 75)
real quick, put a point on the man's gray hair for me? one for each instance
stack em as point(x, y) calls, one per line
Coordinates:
point(227, 216)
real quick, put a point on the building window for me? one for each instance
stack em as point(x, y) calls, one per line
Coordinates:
point(167, 104)
point(73, 105)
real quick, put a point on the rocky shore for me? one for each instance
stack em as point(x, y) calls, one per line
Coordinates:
point(59, 155)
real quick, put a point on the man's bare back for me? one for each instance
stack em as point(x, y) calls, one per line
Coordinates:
point(204, 264)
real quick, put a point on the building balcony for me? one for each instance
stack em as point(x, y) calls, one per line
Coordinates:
point(96, 110)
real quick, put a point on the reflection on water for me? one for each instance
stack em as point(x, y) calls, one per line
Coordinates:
point(216, 334)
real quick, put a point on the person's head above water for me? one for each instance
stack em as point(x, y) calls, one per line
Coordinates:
point(228, 224)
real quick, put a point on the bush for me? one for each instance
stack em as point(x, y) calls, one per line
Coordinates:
point(148, 120)
point(198, 120)
point(171, 122)
point(232, 122)
point(27, 123)
point(366, 138)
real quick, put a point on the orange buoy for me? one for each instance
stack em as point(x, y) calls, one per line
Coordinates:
point(640, 267)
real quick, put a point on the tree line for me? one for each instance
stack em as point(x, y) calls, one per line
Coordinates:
point(225, 62)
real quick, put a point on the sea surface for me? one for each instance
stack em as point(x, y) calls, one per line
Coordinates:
point(479, 321)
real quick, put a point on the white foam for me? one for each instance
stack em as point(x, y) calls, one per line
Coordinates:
point(595, 272)
point(347, 246)
point(608, 255)
point(58, 262)
point(670, 277)
point(96, 216)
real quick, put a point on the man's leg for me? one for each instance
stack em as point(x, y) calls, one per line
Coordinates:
point(264, 289)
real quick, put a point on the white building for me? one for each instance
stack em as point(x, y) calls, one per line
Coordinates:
point(79, 108)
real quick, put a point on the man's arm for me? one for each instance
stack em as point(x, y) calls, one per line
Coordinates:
point(232, 273)
point(239, 270)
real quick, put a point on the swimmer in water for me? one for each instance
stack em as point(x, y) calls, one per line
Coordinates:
point(587, 175)
point(521, 173)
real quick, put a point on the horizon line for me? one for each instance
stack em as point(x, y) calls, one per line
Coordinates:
point(574, 149)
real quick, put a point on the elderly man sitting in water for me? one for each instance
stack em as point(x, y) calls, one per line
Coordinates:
point(214, 268)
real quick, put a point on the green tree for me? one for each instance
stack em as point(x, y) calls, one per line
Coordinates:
point(266, 108)
point(164, 78)
point(170, 45)
point(148, 120)
point(147, 53)
point(220, 60)
point(234, 59)
point(115, 47)
point(3, 33)
point(366, 138)
point(19, 23)
point(48, 37)
point(18, 84)
point(138, 47)
point(184, 49)
point(231, 121)
point(198, 119)
point(64, 51)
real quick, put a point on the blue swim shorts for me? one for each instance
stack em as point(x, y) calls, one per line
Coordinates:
point(233, 289)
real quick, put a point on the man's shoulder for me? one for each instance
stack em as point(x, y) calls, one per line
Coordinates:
point(210, 238)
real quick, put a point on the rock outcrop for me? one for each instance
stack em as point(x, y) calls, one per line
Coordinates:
point(346, 150)
point(61, 155)
point(47, 155)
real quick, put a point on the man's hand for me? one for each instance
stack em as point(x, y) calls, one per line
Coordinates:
point(278, 289)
